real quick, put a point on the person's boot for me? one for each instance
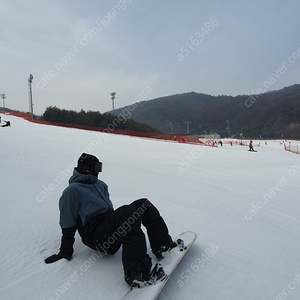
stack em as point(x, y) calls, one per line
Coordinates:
point(140, 280)
point(165, 249)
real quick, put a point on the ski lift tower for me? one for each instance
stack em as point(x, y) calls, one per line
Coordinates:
point(228, 127)
point(30, 95)
point(188, 126)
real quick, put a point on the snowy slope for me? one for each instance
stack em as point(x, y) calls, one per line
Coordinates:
point(243, 206)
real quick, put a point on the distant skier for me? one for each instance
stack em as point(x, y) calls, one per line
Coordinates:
point(251, 146)
point(85, 206)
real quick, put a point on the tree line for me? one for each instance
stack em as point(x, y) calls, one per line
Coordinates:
point(94, 119)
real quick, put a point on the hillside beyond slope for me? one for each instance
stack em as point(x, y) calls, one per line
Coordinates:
point(273, 114)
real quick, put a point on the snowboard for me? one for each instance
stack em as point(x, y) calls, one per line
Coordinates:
point(169, 264)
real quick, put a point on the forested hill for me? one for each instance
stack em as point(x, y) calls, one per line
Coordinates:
point(274, 114)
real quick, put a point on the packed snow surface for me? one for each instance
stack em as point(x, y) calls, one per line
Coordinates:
point(243, 206)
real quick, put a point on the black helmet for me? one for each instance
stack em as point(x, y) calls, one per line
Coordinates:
point(89, 162)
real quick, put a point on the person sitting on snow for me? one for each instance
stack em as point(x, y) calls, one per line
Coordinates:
point(7, 124)
point(85, 206)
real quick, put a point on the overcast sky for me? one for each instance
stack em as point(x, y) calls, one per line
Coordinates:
point(80, 51)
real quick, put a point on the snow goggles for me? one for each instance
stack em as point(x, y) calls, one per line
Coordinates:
point(95, 167)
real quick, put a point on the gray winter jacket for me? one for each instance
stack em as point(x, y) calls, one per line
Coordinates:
point(86, 196)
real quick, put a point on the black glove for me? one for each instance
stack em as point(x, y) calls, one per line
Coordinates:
point(55, 257)
point(66, 248)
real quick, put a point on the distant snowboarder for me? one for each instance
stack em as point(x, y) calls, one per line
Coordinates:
point(251, 146)
point(85, 206)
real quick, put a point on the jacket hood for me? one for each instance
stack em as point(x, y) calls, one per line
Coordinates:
point(82, 178)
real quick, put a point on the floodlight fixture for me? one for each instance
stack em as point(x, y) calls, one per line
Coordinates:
point(30, 95)
point(113, 97)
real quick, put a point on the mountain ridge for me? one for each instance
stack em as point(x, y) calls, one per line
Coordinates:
point(274, 114)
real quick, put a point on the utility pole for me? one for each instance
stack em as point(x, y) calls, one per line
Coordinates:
point(113, 97)
point(30, 95)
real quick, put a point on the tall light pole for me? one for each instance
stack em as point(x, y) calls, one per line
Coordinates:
point(3, 97)
point(113, 97)
point(30, 95)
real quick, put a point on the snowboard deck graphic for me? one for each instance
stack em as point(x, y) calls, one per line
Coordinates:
point(169, 264)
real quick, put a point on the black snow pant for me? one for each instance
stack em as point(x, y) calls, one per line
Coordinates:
point(123, 227)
